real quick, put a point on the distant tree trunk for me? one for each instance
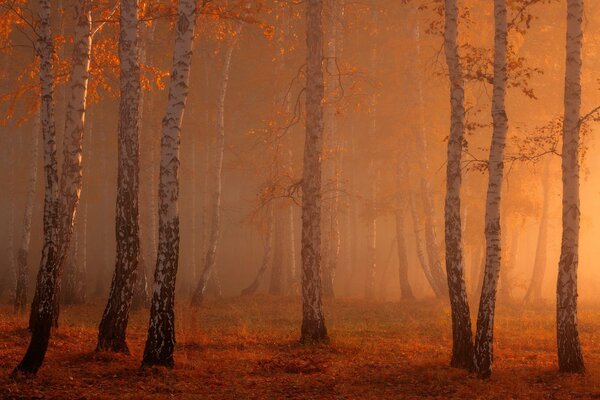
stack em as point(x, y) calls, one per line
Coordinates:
point(59, 207)
point(217, 174)
point(570, 358)
point(267, 255)
point(313, 321)
point(140, 291)
point(462, 339)
point(421, 257)
point(23, 255)
point(160, 343)
point(141, 295)
point(80, 281)
point(477, 267)
point(276, 284)
point(406, 292)
point(506, 282)
point(484, 339)
point(292, 272)
point(113, 326)
point(70, 266)
point(371, 270)
point(430, 221)
point(382, 295)
point(534, 291)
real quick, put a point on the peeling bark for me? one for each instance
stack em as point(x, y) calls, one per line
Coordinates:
point(484, 338)
point(570, 358)
point(160, 342)
point(113, 326)
point(313, 321)
point(60, 203)
point(462, 342)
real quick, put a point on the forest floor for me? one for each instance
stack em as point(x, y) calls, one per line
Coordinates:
point(247, 349)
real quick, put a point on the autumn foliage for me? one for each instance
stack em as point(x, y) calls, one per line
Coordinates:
point(247, 348)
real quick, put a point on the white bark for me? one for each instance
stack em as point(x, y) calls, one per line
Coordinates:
point(313, 322)
point(113, 326)
point(487, 304)
point(160, 342)
point(570, 358)
point(59, 212)
point(462, 346)
point(217, 171)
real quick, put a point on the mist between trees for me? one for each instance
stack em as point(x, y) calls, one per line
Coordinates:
point(158, 153)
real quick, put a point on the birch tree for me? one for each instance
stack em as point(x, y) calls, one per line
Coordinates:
point(534, 291)
point(217, 172)
point(462, 342)
point(570, 358)
point(313, 321)
point(113, 326)
point(487, 304)
point(60, 206)
point(160, 342)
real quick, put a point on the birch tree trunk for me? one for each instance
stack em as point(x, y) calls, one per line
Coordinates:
point(267, 259)
point(217, 174)
point(421, 257)
point(113, 326)
point(534, 291)
point(485, 320)
point(570, 358)
point(160, 342)
point(70, 268)
point(58, 219)
point(23, 254)
point(462, 344)
point(313, 321)
point(430, 221)
point(141, 296)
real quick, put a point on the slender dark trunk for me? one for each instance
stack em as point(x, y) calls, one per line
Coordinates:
point(406, 292)
point(276, 284)
point(267, 259)
point(210, 260)
point(534, 291)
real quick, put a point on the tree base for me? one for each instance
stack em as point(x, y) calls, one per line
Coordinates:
point(314, 333)
point(149, 362)
point(113, 345)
